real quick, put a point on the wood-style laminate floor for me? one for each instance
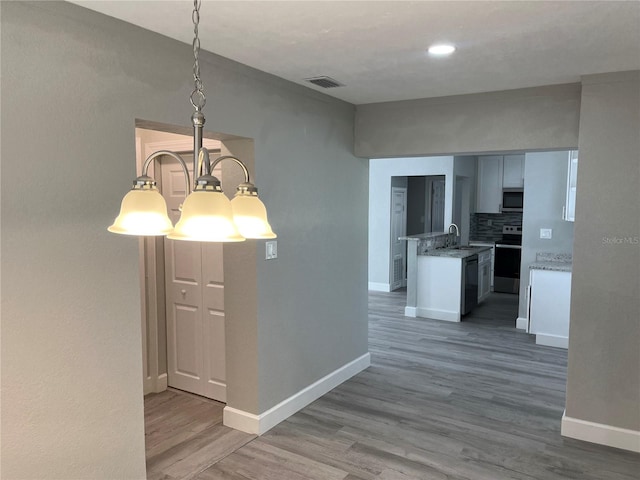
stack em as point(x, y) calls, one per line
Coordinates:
point(476, 400)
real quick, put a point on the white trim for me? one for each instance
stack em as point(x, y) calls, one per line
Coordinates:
point(379, 287)
point(600, 433)
point(259, 424)
point(410, 312)
point(241, 420)
point(179, 145)
point(552, 340)
point(521, 323)
point(162, 383)
point(155, 384)
point(447, 315)
point(147, 386)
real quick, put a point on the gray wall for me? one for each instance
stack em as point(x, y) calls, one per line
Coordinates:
point(524, 119)
point(73, 84)
point(604, 339)
point(381, 172)
point(545, 175)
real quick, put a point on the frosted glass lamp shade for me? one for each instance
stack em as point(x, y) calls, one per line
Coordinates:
point(250, 216)
point(206, 217)
point(143, 212)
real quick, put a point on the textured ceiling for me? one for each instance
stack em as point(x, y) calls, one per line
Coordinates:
point(377, 48)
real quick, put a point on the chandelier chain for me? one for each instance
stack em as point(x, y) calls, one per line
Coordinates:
point(198, 98)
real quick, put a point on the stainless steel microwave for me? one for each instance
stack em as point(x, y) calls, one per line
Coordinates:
point(512, 200)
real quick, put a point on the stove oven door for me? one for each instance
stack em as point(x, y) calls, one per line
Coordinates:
point(507, 268)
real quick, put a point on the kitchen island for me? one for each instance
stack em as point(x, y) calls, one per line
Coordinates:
point(442, 280)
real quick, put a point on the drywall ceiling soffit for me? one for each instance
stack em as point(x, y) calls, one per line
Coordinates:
point(377, 48)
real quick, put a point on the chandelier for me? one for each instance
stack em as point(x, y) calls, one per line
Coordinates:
point(206, 215)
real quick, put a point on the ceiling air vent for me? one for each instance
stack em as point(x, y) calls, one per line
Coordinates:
point(324, 82)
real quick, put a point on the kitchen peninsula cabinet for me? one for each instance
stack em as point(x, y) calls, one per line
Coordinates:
point(442, 280)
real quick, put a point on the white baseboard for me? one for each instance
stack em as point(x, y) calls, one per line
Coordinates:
point(446, 315)
point(155, 385)
point(162, 383)
point(259, 424)
point(521, 323)
point(552, 340)
point(379, 287)
point(600, 433)
point(410, 312)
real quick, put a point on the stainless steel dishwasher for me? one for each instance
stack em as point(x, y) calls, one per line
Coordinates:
point(469, 297)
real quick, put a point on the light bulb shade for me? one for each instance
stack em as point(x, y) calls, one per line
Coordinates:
point(143, 212)
point(250, 216)
point(206, 217)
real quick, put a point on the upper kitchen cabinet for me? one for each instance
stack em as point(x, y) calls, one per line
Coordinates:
point(495, 173)
point(489, 188)
point(569, 210)
point(513, 171)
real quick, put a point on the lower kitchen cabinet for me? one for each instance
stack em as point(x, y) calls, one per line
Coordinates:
point(549, 307)
point(484, 275)
point(491, 245)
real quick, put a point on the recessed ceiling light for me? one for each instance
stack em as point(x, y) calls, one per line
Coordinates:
point(441, 49)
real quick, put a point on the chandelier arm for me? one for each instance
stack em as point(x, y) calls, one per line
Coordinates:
point(236, 160)
point(159, 153)
point(204, 162)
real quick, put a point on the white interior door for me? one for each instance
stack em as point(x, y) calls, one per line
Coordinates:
point(194, 280)
point(398, 229)
point(437, 205)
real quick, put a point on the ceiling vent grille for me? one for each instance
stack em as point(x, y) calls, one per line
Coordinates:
point(324, 82)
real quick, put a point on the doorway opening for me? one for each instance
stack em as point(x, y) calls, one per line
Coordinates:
point(183, 284)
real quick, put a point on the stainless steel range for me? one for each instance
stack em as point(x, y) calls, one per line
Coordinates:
point(507, 262)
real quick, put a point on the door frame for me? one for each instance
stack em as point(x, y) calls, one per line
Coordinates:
point(152, 273)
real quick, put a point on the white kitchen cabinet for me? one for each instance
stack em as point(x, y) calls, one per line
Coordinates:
point(513, 171)
point(569, 210)
point(484, 275)
point(492, 245)
point(489, 186)
point(549, 307)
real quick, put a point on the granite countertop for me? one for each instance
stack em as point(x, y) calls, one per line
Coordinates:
point(555, 262)
point(553, 266)
point(423, 236)
point(483, 242)
point(453, 252)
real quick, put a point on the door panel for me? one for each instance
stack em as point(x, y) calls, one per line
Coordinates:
point(186, 333)
point(215, 365)
point(437, 205)
point(194, 303)
point(185, 263)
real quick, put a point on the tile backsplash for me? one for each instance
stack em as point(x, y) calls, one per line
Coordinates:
point(481, 230)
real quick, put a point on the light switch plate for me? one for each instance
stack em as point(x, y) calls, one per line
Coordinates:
point(271, 249)
point(546, 233)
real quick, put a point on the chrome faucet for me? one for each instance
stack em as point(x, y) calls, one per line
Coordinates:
point(453, 239)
